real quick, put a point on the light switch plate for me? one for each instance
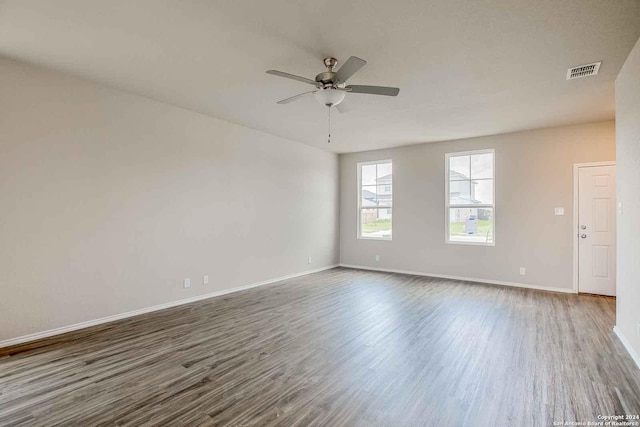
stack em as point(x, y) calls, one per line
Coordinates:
point(559, 211)
point(187, 283)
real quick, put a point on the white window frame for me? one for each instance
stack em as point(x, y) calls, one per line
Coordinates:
point(447, 206)
point(358, 213)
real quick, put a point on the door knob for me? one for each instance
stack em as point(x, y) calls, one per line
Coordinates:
point(584, 236)
point(584, 227)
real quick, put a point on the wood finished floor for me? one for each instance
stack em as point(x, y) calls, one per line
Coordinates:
point(338, 348)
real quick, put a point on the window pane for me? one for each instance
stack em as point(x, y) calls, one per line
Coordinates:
point(471, 225)
point(368, 175)
point(384, 172)
point(376, 196)
point(385, 196)
point(482, 166)
point(375, 223)
point(459, 167)
point(482, 191)
point(369, 196)
point(459, 193)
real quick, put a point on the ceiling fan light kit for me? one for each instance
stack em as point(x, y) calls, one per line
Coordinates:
point(330, 97)
point(331, 87)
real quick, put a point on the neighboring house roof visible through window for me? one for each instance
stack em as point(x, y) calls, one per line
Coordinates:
point(385, 179)
point(457, 176)
point(371, 199)
point(368, 195)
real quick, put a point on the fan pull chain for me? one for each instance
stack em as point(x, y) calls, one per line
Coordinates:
point(329, 140)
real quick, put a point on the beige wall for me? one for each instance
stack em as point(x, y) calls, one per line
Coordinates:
point(109, 200)
point(628, 178)
point(534, 174)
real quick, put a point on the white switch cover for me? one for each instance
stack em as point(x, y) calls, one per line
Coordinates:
point(523, 271)
point(559, 211)
point(187, 283)
point(377, 258)
point(205, 279)
point(620, 208)
point(309, 260)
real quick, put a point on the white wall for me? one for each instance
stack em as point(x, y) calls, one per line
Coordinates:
point(109, 200)
point(628, 189)
point(534, 174)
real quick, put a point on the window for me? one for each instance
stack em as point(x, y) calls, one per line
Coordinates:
point(470, 206)
point(375, 200)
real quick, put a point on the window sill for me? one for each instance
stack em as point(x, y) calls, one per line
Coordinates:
point(453, 242)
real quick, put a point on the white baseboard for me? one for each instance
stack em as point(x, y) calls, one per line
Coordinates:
point(627, 345)
point(82, 325)
point(466, 279)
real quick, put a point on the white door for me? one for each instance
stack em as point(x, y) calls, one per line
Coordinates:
point(597, 230)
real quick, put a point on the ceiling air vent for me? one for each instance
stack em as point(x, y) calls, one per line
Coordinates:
point(583, 71)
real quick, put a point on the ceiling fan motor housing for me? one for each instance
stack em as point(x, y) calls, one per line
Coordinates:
point(327, 78)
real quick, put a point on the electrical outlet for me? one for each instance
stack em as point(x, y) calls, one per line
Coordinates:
point(187, 283)
point(205, 279)
point(309, 260)
point(377, 258)
point(523, 271)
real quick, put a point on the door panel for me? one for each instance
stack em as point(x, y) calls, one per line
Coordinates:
point(600, 215)
point(601, 261)
point(596, 230)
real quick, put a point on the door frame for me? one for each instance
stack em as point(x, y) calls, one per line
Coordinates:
point(576, 239)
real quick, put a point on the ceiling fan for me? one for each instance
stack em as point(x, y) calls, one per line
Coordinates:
point(331, 86)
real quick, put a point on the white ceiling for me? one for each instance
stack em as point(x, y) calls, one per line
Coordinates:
point(465, 68)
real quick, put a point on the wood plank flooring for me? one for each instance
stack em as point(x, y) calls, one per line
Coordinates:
point(337, 348)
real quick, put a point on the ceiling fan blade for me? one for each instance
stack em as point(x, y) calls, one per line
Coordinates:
point(349, 68)
point(293, 98)
point(292, 77)
point(374, 90)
